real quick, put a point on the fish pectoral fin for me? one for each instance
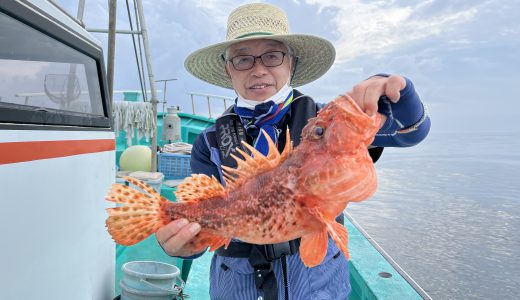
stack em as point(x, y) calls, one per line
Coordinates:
point(207, 239)
point(339, 234)
point(199, 187)
point(337, 231)
point(313, 248)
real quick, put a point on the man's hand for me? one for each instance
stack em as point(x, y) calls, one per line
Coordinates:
point(367, 93)
point(174, 236)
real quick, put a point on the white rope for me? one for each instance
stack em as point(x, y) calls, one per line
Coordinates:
point(134, 116)
point(177, 148)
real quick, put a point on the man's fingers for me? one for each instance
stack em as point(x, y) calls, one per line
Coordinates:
point(394, 85)
point(358, 94)
point(166, 232)
point(367, 93)
point(176, 242)
point(372, 94)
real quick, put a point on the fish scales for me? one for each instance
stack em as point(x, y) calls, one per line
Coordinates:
point(262, 205)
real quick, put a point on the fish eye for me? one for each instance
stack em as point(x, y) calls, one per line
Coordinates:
point(318, 131)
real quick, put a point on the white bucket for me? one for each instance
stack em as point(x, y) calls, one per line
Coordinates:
point(150, 280)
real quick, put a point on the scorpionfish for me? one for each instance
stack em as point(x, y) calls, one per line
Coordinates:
point(267, 199)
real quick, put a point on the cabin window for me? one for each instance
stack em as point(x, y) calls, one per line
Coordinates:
point(44, 81)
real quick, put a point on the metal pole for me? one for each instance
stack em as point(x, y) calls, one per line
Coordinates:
point(192, 104)
point(122, 31)
point(164, 96)
point(225, 104)
point(164, 93)
point(81, 9)
point(144, 33)
point(209, 107)
point(112, 6)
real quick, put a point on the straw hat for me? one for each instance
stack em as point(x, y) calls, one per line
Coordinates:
point(262, 21)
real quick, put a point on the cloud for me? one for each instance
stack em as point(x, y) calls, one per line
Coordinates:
point(448, 49)
point(510, 31)
point(218, 9)
point(379, 27)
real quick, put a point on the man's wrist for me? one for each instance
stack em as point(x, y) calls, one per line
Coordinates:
point(407, 120)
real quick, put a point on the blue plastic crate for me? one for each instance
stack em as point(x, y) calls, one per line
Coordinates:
point(174, 166)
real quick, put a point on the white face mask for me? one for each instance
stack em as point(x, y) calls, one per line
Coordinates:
point(279, 97)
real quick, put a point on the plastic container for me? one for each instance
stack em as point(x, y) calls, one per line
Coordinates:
point(155, 182)
point(150, 280)
point(174, 166)
point(171, 125)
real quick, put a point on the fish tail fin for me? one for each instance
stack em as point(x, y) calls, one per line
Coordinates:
point(141, 215)
point(313, 248)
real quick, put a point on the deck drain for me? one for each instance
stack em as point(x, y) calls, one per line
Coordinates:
point(385, 274)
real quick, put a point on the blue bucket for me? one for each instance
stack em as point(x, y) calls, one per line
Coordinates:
point(150, 280)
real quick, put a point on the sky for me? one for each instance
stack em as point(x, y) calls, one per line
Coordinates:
point(462, 56)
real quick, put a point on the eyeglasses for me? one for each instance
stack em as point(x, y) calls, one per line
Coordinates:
point(246, 62)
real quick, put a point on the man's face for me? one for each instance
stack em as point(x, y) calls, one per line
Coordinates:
point(260, 82)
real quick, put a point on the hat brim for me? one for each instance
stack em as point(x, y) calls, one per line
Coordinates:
point(316, 56)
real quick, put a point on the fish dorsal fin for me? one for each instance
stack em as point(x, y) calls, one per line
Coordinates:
point(199, 187)
point(250, 166)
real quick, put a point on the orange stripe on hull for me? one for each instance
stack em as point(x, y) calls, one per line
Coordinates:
point(16, 152)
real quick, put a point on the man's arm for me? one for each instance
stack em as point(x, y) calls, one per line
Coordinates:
point(407, 121)
point(201, 158)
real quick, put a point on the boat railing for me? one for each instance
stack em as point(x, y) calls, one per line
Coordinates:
point(389, 259)
point(212, 102)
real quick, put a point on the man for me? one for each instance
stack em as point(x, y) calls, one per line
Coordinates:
point(262, 63)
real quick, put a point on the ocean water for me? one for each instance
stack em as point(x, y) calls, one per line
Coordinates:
point(448, 212)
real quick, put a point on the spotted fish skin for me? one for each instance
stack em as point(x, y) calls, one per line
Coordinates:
point(268, 199)
point(261, 211)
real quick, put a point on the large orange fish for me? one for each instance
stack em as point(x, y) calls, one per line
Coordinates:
point(267, 199)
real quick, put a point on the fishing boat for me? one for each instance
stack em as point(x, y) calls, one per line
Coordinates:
point(59, 154)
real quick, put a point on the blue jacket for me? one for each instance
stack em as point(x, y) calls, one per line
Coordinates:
point(232, 278)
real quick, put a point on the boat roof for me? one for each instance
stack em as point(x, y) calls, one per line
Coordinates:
point(57, 15)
